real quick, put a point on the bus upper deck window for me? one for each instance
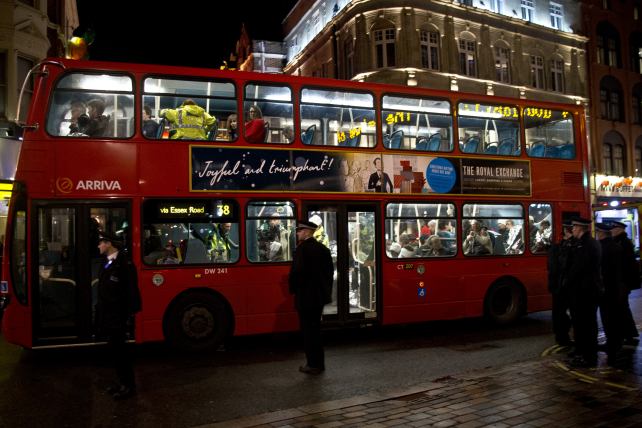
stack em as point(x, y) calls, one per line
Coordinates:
point(416, 124)
point(189, 109)
point(337, 118)
point(549, 133)
point(488, 129)
point(92, 106)
point(268, 114)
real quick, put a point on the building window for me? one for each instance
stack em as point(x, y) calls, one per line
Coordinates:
point(614, 106)
point(557, 14)
point(467, 58)
point(636, 108)
point(497, 6)
point(537, 71)
point(502, 64)
point(429, 49)
point(611, 107)
point(608, 45)
point(385, 47)
point(613, 158)
point(528, 8)
point(638, 161)
point(348, 52)
point(557, 75)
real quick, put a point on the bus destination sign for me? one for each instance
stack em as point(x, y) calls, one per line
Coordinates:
point(195, 210)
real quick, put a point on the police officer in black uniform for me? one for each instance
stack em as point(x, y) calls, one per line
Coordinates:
point(559, 257)
point(585, 287)
point(612, 302)
point(118, 301)
point(631, 279)
point(310, 281)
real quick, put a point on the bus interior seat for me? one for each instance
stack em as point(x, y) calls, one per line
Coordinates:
point(537, 149)
point(422, 143)
point(307, 137)
point(552, 151)
point(161, 128)
point(354, 141)
point(211, 134)
point(434, 142)
point(567, 151)
point(471, 145)
point(506, 147)
point(395, 139)
point(491, 149)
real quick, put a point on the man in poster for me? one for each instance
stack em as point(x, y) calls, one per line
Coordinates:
point(379, 179)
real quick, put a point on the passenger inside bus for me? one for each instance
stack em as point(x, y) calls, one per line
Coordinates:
point(275, 242)
point(97, 125)
point(77, 109)
point(150, 127)
point(255, 125)
point(232, 127)
point(189, 121)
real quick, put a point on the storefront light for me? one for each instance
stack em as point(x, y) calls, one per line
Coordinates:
point(614, 203)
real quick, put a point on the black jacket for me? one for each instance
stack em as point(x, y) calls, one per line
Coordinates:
point(312, 275)
point(631, 269)
point(584, 275)
point(118, 295)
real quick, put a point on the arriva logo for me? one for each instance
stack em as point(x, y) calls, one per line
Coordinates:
point(66, 185)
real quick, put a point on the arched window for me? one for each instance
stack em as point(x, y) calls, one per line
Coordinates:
point(614, 154)
point(608, 45)
point(557, 74)
point(636, 104)
point(467, 54)
point(638, 157)
point(384, 34)
point(611, 99)
point(429, 44)
point(502, 62)
point(635, 41)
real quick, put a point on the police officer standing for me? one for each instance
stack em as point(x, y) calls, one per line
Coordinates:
point(559, 257)
point(118, 301)
point(310, 281)
point(612, 302)
point(585, 285)
point(631, 278)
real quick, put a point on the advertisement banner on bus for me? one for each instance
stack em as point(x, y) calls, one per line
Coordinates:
point(231, 169)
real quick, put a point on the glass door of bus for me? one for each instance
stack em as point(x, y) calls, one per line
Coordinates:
point(66, 263)
point(351, 234)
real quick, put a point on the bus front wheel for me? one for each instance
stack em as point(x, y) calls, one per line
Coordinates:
point(504, 302)
point(197, 321)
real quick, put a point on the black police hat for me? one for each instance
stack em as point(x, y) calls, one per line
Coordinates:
point(580, 221)
point(604, 227)
point(304, 224)
point(106, 237)
point(614, 223)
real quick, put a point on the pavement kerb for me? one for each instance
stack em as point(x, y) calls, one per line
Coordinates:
point(279, 415)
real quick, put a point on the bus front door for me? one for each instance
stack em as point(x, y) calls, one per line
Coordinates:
point(350, 232)
point(66, 266)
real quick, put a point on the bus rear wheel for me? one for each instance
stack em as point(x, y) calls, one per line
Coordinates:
point(504, 302)
point(197, 321)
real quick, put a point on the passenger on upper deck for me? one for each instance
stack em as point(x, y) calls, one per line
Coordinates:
point(150, 127)
point(232, 127)
point(255, 126)
point(189, 122)
point(97, 123)
point(77, 109)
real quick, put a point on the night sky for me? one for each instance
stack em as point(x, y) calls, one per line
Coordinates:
point(200, 34)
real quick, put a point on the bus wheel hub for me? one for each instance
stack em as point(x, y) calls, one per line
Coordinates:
point(198, 323)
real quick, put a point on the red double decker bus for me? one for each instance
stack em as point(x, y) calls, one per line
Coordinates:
point(434, 204)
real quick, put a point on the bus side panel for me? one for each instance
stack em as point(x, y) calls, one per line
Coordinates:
point(270, 307)
point(16, 325)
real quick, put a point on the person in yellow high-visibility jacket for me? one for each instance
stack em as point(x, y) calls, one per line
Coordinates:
point(189, 122)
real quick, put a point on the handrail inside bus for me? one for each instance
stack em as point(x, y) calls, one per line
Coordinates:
point(24, 84)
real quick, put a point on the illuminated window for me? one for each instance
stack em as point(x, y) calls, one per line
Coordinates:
point(430, 49)
point(528, 10)
point(557, 14)
point(348, 52)
point(537, 71)
point(502, 64)
point(467, 57)
point(557, 75)
point(385, 47)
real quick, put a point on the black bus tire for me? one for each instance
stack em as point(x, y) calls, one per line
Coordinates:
point(505, 302)
point(197, 321)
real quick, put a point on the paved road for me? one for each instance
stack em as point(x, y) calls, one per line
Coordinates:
point(254, 375)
